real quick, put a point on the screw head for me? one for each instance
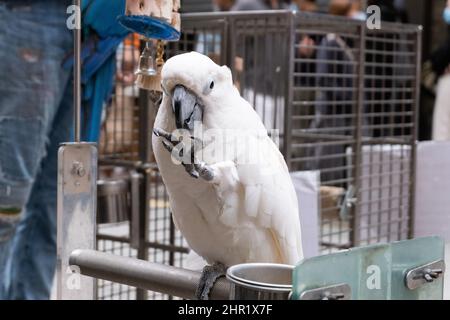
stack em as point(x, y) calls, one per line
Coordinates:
point(78, 169)
point(81, 172)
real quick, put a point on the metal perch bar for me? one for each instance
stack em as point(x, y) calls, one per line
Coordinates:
point(145, 275)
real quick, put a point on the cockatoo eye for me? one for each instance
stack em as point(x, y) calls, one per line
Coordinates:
point(209, 87)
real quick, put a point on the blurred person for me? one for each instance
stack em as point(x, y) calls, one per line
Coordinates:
point(335, 96)
point(433, 70)
point(223, 5)
point(36, 113)
point(440, 65)
point(439, 59)
point(400, 5)
point(35, 116)
point(341, 8)
point(248, 5)
point(304, 5)
point(306, 49)
point(209, 43)
point(386, 65)
point(118, 126)
point(348, 8)
point(441, 114)
point(307, 43)
point(356, 11)
point(259, 57)
point(304, 75)
point(389, 11)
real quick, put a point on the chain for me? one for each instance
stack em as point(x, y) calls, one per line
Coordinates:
point(159, 53)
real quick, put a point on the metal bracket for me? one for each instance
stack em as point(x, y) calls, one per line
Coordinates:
point(336, 292)
point(77, 168)
point(77, 196)
point(428, 273)
point(348, 202)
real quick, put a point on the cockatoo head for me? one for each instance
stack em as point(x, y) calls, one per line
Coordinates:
point(192, 84)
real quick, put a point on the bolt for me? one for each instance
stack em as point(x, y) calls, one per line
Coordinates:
point(431, 274)
point(78, 169)
point(332, 296)
point(428, 278)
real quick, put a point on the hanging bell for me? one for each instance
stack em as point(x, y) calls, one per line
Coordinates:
point(146, 65)
point(150, 78)
point(147, 69)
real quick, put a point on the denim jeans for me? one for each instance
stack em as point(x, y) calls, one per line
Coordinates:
point(35, 117)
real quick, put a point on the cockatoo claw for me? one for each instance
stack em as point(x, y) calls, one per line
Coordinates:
point(209, 276)
point(167, 146)
point(196, 168)
point(191, 170)
point(205, 171)
point(166, 135)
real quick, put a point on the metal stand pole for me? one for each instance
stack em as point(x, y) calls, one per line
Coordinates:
point(145, 275)
point(77, 74)
point(77, 196)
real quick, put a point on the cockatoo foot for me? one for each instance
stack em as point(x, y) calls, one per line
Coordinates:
point(177, 148)
point(210, 274)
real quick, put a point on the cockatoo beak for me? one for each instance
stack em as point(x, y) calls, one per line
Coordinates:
point(186, 107)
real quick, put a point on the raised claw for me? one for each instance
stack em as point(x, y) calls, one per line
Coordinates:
point(167, 145)
point(164, 134)
point(194, 168)
point(205, 171)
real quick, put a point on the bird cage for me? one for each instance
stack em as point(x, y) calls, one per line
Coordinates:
point(342, 99)
point(353, 117)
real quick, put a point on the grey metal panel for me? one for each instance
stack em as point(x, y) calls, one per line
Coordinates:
point(307, 187)
point(432, 188)
point(76, 220)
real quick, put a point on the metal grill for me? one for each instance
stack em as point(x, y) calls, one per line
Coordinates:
point(343, 99)
point(119, 138)
point(354, 119)
point(160, 243)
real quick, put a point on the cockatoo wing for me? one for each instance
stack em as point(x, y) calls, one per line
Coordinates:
point(262, 194)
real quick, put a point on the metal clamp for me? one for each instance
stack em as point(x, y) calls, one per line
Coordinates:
point(348, 202)
point(336, 292)
point(428, 273)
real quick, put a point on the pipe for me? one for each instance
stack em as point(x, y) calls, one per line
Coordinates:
point(77, 73)
point(145, 275)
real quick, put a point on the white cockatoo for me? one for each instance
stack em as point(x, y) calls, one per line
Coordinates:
point(230, 209)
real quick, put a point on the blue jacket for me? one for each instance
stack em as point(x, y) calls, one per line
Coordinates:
point(102, 34)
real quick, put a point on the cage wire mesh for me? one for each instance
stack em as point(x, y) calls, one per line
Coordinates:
point(120, 129)
point(354, 119)
point(343, 100)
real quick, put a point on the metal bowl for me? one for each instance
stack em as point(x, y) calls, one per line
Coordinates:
point(260, 281)
point(113, 200)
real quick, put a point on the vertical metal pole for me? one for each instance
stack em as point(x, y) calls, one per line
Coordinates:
point(139, 220)
point(289, 93)
point(356, 224)
point(144, 132)
point(77, 195)
point(77, 74)
point(413, 166)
